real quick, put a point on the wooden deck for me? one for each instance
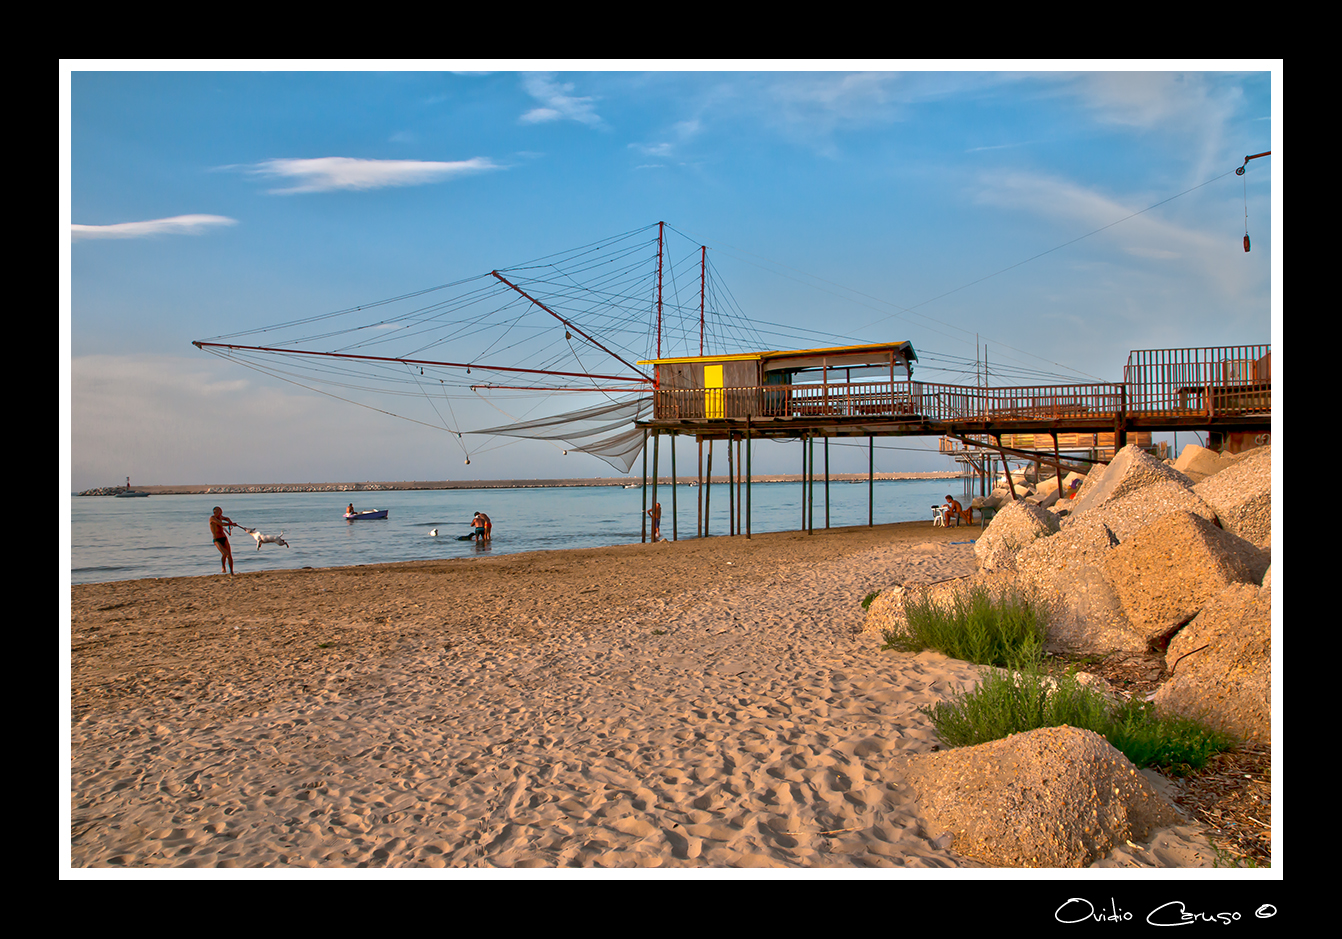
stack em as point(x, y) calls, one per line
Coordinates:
point(1217, 389)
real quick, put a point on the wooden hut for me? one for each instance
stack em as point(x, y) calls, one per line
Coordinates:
point(842, 381)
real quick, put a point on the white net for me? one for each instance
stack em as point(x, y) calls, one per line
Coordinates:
point(606, 432)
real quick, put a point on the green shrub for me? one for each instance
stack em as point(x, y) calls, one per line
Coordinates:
point(1006, 629)
point(1010, 702)
point(1149, 737)
point(1014, 702)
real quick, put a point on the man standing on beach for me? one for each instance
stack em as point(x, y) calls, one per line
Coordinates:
point(218, 522)
point(655, 513)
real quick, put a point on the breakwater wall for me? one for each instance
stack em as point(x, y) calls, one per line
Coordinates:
point(234, 488)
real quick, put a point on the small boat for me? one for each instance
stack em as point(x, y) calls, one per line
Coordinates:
point(132, 494)
point(370, 513)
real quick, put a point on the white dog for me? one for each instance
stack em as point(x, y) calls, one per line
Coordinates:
point(266, 539)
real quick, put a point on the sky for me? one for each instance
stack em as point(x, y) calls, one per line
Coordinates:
point(1046, 220)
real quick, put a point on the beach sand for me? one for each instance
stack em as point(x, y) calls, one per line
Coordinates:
point(703, 704)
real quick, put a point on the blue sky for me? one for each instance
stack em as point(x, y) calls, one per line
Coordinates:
point(1059, 217)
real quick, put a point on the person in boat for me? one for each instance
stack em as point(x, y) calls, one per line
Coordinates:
point(220, 526)
point(954, 510)
point(655, 513)
point(350, 510)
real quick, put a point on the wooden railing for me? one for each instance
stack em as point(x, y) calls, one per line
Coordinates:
point(933, 402)
point(1211, 382)
point(1218, 381)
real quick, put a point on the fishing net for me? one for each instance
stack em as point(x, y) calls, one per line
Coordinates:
point(607, 431)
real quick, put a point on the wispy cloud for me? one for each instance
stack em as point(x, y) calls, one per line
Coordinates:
point(1122, 223)
point(556, 102)
point(177, 225)
point(324, 174)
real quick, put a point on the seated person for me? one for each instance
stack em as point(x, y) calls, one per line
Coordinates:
point(954, 510)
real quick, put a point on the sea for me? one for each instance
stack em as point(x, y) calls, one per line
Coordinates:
point(169, 536)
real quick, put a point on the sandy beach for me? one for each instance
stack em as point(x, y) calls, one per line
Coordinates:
point(702, 704)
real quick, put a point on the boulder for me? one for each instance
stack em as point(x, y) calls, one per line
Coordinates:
point(1063, 570)
point(1199, 463)
point(885, 613)
point(1127, 514)
point(1220, 665)
point(1015, 526)
point(1044, 499)
point(1167, 572)
point(1132, 468)
point(1241, 496)
point(1054, 797)
point(1050, 483)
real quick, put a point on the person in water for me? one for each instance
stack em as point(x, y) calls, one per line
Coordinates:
point(489, 527)
point(220, 525)
point(478, 527)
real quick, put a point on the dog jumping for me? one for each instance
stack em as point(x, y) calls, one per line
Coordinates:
point(266, 539)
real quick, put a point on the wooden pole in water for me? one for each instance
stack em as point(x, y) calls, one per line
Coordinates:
point(827, 482)
point(708, 485)
point(748, 477)
point(740, 469)
point(643, 537)
point(810, 490)
point(871, 480)
point(675, 531)
point(802, 500)
point(700, 487)
point(732, 505)
point(656, 439)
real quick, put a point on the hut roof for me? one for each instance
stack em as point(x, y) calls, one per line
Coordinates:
point(834, 356)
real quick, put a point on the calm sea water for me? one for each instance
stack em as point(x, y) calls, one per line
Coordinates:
point(169, 536)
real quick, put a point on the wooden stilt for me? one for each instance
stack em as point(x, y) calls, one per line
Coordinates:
point(699, 531)
point(871, 480)
point(732, 505)
point(747, 477)
point(827, 482)
point(656, 439)
point(708, 485)
point(675, 534)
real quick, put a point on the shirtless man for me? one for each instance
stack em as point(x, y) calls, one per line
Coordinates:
point(954, 510)
point(655, 513)
point(218, 523)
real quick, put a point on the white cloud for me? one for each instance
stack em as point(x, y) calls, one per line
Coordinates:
point(177, 225)
point(556, 102)
point(324, 174)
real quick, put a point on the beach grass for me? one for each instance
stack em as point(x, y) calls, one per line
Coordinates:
point(1011, 702)
point(1005, 629)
